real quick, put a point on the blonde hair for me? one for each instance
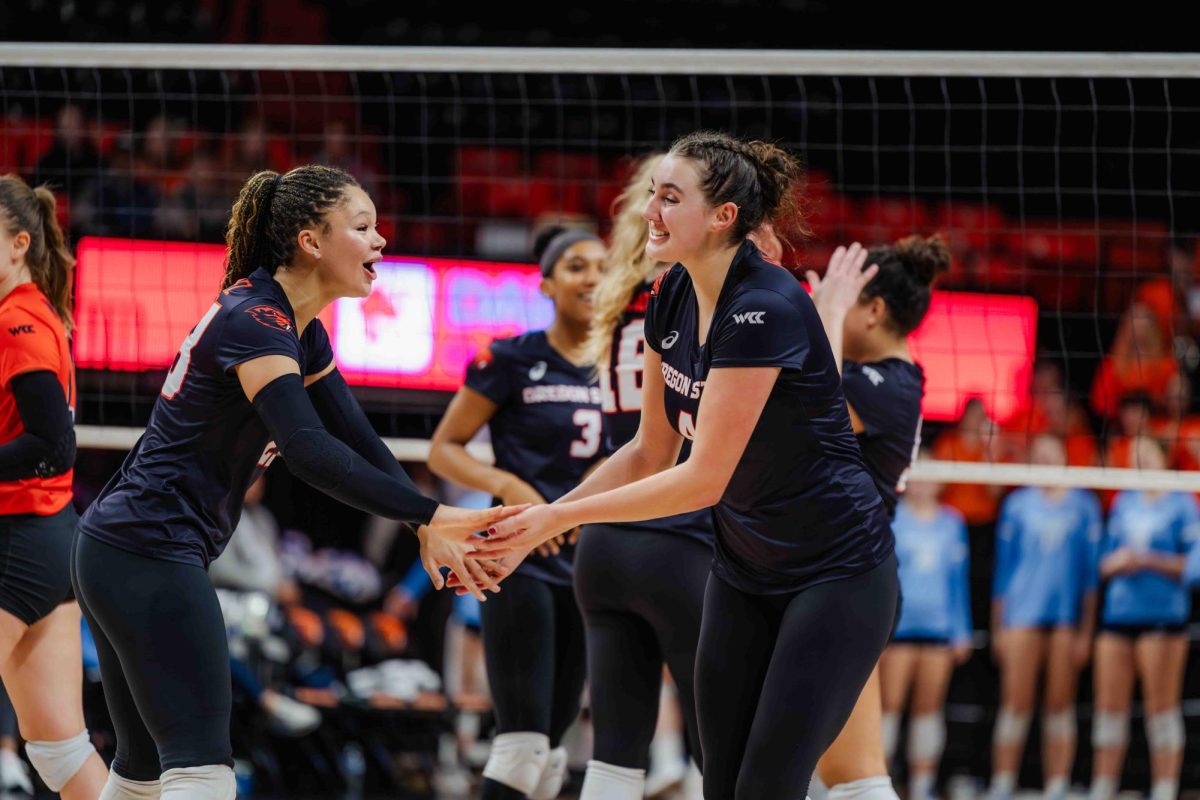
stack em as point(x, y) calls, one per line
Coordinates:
point(628, 264)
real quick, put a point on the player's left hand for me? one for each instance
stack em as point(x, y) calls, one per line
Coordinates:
point(441, 551)
point(844, 279)
point(517, 535)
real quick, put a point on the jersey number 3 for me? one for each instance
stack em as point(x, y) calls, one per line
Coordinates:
point(174, 381)
point(588, 443)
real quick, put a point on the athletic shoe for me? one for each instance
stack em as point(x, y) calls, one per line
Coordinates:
point(14, 774)
point(290, 717)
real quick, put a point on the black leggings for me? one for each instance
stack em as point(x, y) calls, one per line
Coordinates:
point(164, 658)
point(534, 649)
point(642, 594)
point(778, 675)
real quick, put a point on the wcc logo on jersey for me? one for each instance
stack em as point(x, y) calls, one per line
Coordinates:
point(19, 329)
point(271, 317)
point(752, 317)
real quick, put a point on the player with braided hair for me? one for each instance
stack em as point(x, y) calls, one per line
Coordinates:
point(255, 379)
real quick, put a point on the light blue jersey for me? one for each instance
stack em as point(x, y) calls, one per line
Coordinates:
point(933, 576)
point(1046, 557)
point(1169, 524)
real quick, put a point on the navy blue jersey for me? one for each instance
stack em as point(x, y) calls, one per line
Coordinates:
point(621, 383)
point(886, 396)
point(178, 496)
point(801, 507)
point(547, 429)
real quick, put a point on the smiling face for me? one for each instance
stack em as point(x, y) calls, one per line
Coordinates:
point(682, 223)
point(573, 280)
point(346, 245)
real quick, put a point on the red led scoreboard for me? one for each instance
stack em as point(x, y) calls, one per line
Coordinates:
point(136, 301)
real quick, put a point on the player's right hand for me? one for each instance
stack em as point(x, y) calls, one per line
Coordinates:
point(460, 524)
point(515, 492)
point(438, 552)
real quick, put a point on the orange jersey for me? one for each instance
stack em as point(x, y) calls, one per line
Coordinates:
point(977, 502)
point(32, 339)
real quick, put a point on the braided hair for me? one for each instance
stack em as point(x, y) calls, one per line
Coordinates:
point(272, 209)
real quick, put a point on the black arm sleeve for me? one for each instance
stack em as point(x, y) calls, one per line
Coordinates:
point(344, 418)
point(319, 459)
point(47, 447)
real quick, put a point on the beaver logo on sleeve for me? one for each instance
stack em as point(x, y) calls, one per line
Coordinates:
point(271, 317)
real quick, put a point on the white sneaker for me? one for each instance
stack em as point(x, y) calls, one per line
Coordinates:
point(665, 775)
point(14, 774)
point(290, 717)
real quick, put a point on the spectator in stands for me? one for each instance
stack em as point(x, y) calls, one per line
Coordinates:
point(247, 151)
point(1050, 409)
point(160, 155)
point(198, 210)
point(1043, 618)
point(1178, 427)
point(972, 440)
point(1140, 360)
point(122, 201)
point(1143, 635)
point(1174, 298)
point(338, 151)
point(73, 162)
point(933, 633)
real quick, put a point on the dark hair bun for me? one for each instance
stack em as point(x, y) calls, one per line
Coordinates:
point(925, 259)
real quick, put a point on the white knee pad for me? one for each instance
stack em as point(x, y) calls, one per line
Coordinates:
point(1164, 731)
point(1011, 727)
point(610, 782)
point(518, 760)
point(210, 782)
point(876, 788)
point(118, 788)
point(553, 775)
point(926, 737)
point(890, 725)
point(57, 762)
point(1110, 729)
point(1059, 725)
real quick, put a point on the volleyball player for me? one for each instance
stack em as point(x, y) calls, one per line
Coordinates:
point(254, 379)
point(1143, 623)
point(933, 632)
point(640, 584)
point(40, 660)
point(1044, 616)
point(868, 315)
point(802, 593)
point(538, 395)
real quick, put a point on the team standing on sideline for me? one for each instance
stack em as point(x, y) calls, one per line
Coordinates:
point(793, 418)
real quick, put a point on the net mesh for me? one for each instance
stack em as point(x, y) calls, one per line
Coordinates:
point(1070, 307)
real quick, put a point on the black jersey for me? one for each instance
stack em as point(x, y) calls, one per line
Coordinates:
point(178, 495)
point(886, 396)
point(621, 382)
point(800, 508)
point(547, 429)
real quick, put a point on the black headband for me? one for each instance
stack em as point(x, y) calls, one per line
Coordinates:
point(559, 245)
